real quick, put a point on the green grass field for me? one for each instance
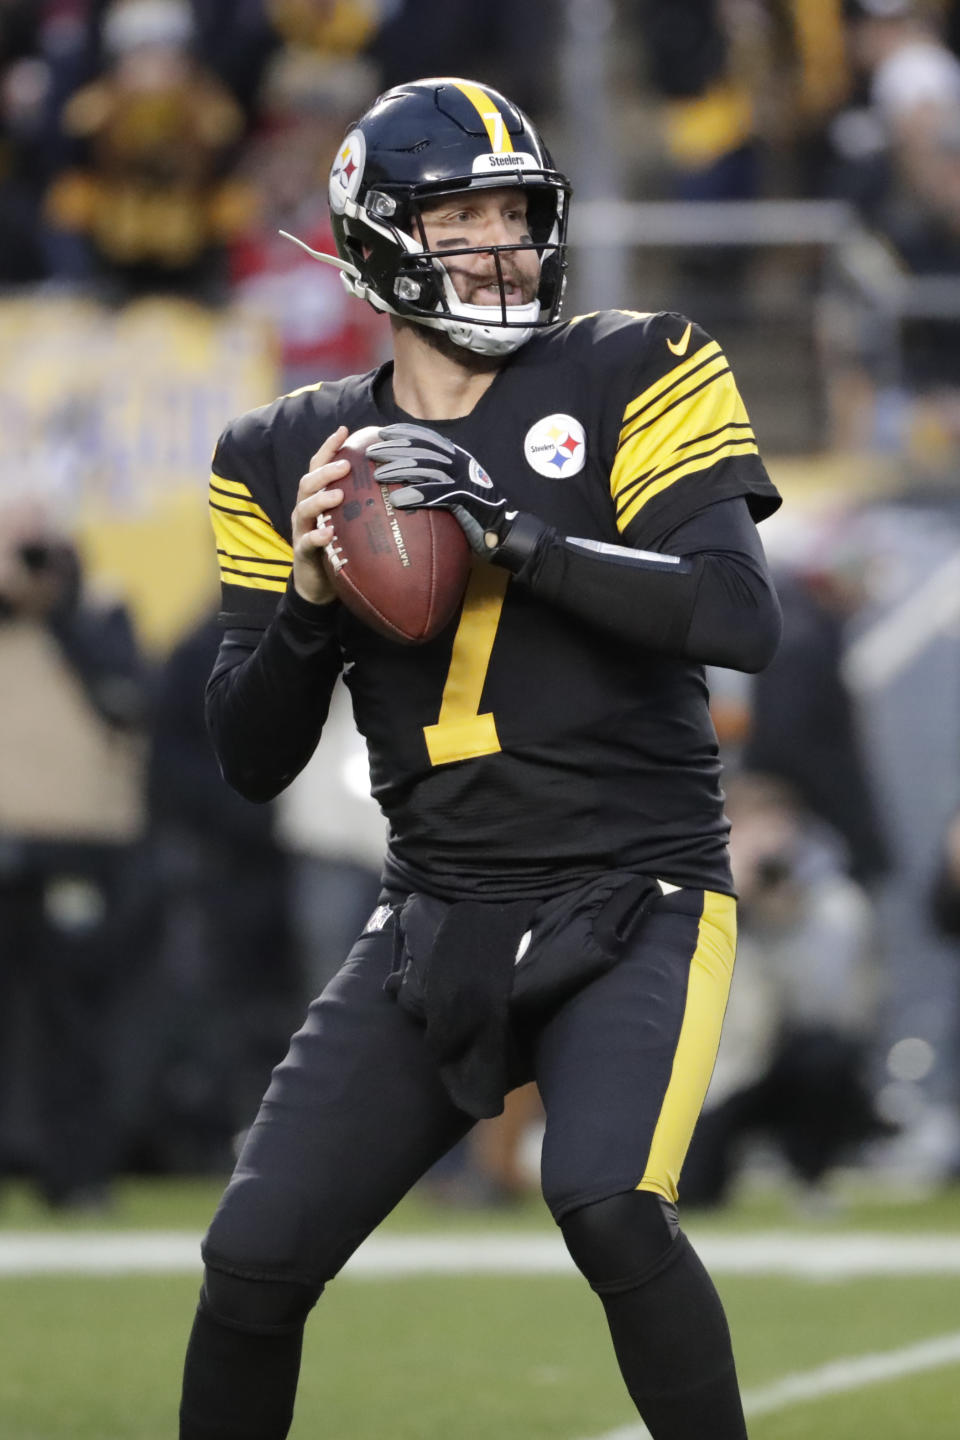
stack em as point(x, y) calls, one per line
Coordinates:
point(469, 1357)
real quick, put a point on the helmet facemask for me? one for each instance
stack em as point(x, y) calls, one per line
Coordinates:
point(397, 271)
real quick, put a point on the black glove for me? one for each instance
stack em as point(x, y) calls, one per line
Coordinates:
point(444, 477)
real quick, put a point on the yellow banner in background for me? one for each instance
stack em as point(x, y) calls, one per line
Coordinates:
point(112, 416)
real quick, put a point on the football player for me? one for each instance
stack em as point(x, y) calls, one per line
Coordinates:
point(557, 900)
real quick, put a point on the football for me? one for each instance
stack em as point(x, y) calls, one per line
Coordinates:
point(402, 572)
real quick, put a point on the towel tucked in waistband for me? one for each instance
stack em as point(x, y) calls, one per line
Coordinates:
point(463, 967)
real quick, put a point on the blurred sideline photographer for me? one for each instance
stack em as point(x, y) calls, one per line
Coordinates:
point(945, 897)
point(71, 803)
point(222, 993)
point(792, 1069)
point(945, 903)
point(334, 836)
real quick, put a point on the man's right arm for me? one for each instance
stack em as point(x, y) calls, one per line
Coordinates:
point(269, 693)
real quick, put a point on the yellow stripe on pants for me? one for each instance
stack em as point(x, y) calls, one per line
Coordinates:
point(708, 989)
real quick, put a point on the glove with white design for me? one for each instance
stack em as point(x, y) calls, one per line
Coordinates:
point(443, 476)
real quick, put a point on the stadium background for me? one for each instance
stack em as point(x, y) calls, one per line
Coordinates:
point(737, 161)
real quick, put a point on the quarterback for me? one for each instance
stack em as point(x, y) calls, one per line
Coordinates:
point(557, 902)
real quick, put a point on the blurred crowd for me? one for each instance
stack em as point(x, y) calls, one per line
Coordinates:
point(157, 146)
point(158, 935)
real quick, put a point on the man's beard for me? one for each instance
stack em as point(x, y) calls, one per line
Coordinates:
point(466, 358)
point(440, 341)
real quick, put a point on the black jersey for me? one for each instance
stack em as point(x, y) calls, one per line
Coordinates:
point(523, 747)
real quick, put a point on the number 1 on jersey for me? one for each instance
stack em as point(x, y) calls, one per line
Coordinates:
point(461, 732)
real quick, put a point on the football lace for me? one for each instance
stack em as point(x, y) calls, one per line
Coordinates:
point(336, 557)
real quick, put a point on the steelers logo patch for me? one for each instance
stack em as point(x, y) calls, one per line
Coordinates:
point(347, 171)
point(556, 446)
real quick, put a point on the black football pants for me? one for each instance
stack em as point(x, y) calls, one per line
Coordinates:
point(356, 1114)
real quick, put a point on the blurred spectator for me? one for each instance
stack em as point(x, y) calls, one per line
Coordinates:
point(332, 27)
point(913, 77)
point(511, 46)
point(71, 805)
point(709, 116)
point(18, 24)
point(794, 1053)
point(803, 725)
point(898, 149)
point(236, 39)
point(945, 903)
point(42, 50)
point(225, 991)
point(336, 837)
point(746, 88)
point(819, 80)
point(946, 890)
point(23, 92)
point(490, 1168)
point(150, 203)
point(306, 105)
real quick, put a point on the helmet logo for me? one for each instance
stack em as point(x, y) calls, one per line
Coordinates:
point(347, 171)
point(556, 446)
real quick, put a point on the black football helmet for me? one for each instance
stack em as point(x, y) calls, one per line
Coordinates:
point(417, 143)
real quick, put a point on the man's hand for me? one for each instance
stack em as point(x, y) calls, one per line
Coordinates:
point(318, 493)
point(442, 476)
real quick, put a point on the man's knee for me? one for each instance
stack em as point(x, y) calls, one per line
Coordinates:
point(623, 1241)
point(261, 1307)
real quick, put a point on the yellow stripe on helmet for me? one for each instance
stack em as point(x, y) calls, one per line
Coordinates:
point(496, 125)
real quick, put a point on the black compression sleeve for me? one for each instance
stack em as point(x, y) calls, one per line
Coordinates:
point(708, 597)
point(269, 694)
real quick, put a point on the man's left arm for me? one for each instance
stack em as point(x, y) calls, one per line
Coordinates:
point(706, 595)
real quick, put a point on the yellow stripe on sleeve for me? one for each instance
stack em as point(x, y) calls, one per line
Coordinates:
point(249, 550)
point(657, 486)
point(683, 431)
point(304, 390)
point(707, 402)
point(236, 500)
point(496, 128)
point(230, 487)
point(708, 989)
point(643, 405)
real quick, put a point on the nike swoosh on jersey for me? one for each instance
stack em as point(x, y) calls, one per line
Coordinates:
point(679, 347)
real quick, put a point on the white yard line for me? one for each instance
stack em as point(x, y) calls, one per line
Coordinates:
point(805, 1257)
point(834, 1378)
point(811, 1257)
